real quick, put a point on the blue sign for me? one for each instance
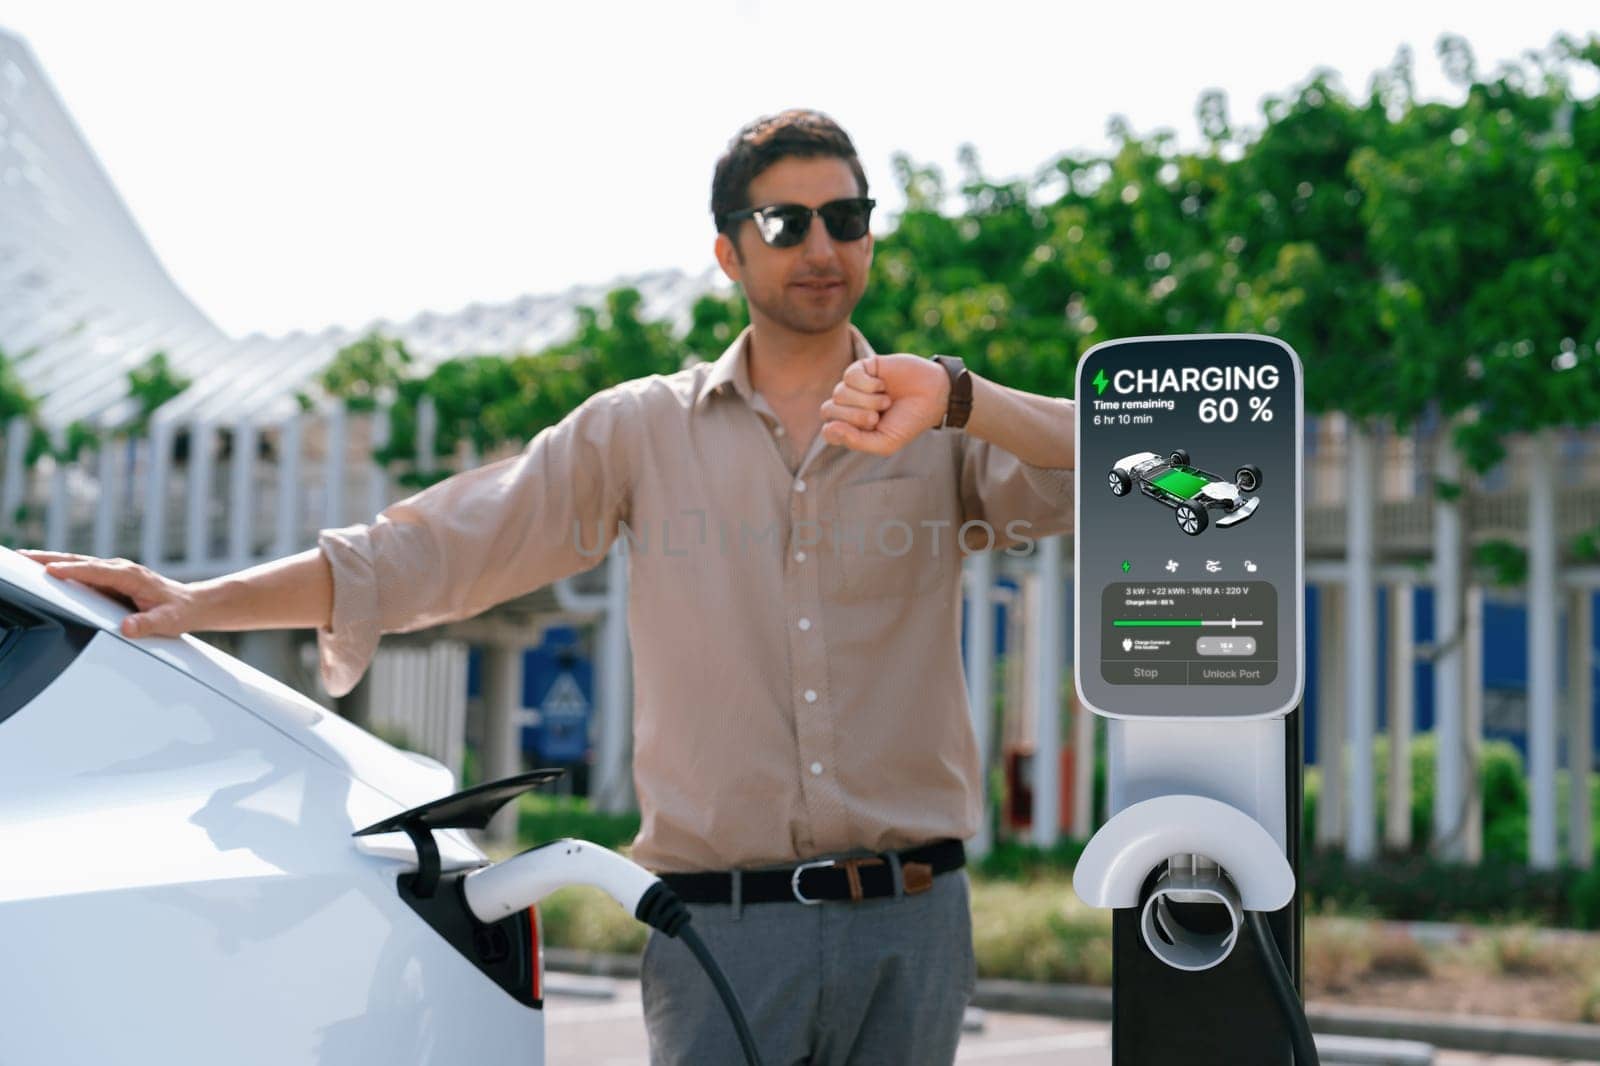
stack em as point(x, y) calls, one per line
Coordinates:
point(557, 699)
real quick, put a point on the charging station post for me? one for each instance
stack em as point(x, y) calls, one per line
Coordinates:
point(1190, 623)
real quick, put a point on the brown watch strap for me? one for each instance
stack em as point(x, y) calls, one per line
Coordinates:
point(960, 407)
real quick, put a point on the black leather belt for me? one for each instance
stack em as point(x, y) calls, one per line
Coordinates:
point(855, 878)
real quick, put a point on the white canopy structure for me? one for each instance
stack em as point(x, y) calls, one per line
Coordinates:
point(84, 300)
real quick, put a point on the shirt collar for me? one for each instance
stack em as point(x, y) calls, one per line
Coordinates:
point(732, 368)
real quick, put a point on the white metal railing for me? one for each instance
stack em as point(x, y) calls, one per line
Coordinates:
point(419, 698)
point(196, 498)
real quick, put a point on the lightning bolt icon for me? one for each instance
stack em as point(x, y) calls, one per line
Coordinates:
point(1100, 383)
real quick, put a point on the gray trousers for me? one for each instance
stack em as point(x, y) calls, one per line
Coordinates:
point(883, 981)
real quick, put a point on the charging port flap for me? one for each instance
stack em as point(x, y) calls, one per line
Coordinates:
point(471, 808)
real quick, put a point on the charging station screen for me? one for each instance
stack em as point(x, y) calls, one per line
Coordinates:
point(1189, 571)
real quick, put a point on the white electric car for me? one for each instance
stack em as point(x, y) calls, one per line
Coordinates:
point(179, 879)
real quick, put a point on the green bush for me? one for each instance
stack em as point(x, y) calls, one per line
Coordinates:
point(588, 919)
point(1009, 860)
point(1419, 888)
point(1584, 901)
point(1505, 803)
point(542, 818)
point(1501, 781)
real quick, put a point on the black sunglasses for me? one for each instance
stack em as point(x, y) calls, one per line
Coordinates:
point(785, 225)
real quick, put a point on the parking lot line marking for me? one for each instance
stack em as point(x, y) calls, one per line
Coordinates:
point(1029, 1045)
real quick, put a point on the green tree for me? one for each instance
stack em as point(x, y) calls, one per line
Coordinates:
point(150, 385)
point(1426, 259)
point(494, 400)
point(364, 370)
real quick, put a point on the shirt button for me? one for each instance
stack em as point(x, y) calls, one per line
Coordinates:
point(799, 486)
point(799, 557)
point(816, 769)
point(811, 695)
point(805, 623)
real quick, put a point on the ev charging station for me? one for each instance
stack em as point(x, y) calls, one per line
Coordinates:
point(1190, 625)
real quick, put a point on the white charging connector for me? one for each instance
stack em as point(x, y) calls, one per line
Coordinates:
point(494, 892)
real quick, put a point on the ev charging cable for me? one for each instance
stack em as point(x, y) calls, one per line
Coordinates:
point(495, 892)
point(1283, 990)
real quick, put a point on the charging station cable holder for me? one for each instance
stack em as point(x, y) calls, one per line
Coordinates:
point(1114, 866)
point(1213, 853)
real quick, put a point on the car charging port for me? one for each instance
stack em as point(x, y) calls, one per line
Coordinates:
point(504, 947)
point(488, 912)
point(491, 943)
point(505, 951)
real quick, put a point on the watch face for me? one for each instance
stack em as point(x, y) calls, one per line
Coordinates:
point(1189, 548)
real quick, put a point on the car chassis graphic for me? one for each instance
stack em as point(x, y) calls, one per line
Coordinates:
point(1191, 492)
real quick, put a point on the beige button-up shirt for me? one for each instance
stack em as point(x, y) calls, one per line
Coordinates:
point(795, 620)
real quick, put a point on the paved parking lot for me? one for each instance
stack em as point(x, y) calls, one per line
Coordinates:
point(584, 1029)
point(611, 1033)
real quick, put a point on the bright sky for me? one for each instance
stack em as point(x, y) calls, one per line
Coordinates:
point(300, 164)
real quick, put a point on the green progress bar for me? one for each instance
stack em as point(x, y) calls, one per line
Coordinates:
point(1158, 622)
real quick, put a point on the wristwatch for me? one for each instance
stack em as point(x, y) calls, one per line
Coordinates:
point(960, 409)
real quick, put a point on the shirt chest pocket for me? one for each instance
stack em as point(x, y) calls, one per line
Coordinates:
point(884, 548)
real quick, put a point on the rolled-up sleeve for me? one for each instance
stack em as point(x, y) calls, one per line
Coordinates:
point(481, 537)
point(1018, 501)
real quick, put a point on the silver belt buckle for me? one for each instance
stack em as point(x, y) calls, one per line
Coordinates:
point(794, 878)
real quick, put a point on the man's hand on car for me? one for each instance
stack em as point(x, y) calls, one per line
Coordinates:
point(164, 608)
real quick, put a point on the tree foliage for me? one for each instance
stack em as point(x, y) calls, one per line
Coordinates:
point(1423, 257)
point(492, 400)
point(365, 370)
point(14, 396)
point(150, 385)
point(1427, 259)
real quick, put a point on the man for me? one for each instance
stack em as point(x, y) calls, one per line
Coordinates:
point(797, 512)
